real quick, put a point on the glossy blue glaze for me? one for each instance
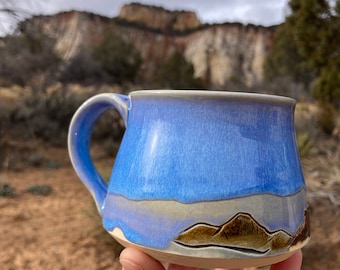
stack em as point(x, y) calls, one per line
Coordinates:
point(79, 141)
point(194, 149)
point(157, 226)
point(188, 147)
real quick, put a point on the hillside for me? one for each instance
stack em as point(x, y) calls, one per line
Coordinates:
point(219, 53)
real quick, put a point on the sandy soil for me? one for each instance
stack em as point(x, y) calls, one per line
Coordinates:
point(59, 231)
point(63, 231)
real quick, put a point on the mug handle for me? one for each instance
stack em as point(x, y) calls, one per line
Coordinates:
point(79, 136)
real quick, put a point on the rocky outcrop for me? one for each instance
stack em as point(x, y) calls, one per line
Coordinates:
point(219, 53)
point(224, 52)
point(159, 18)
point(72, 31)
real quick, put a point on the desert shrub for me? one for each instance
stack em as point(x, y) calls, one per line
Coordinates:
point(177, 73)
point(119, 59)
point(327, 117)
point(47, 115)
point(27, 55)
point(327, 86)
point(6, 190)
point(3, 121)
point(39, 190)
point(109, 129)
point(35, 159)
point(111, 146)
point(83, 69)
point(304, 143)
point(110, 124)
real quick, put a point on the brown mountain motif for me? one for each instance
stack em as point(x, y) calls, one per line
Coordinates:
point(242, 232)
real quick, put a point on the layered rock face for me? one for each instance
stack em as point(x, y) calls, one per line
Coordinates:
point(72, 31)
point(228, 52)
point(159, 18)
point(219, 53)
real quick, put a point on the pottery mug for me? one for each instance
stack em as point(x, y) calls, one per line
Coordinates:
point(201, 178)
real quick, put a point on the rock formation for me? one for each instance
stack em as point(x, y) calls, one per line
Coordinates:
point(159, 18)
point(220, 53)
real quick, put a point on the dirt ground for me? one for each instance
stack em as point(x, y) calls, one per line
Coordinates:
point(59, 231)
point(62, 230)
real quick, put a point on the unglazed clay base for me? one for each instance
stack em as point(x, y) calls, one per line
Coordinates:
point(195, 257)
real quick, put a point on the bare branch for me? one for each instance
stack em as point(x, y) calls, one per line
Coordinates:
point(12, 12)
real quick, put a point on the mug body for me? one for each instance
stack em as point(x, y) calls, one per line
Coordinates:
point(202, 174)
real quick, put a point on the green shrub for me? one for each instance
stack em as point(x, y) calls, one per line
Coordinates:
point(26, 56)
point(327, 117)
point(304, 144)
point(47, 115)
point(36, 159)
point(326, 87)
point(119, 60)
point(6, 190)
point(83, 69)
point(39, 190)
point(111, 147)
point(109, 126)
point(177, 73)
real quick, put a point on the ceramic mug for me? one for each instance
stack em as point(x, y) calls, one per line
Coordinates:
point(201, 178)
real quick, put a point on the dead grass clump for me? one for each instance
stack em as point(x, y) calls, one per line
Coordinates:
point(304, 144)
point(6, 190)
point(39, 190)
point(327, 117)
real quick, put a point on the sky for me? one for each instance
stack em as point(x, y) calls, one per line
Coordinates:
point(263, 12)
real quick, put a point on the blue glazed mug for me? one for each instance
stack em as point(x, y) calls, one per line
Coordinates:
point(201, 178)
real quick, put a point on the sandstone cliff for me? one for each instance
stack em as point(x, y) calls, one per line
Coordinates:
point(219, 53)
point(72, 31)
point(159, 18)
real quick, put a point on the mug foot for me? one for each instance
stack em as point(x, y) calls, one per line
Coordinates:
point(192, 257)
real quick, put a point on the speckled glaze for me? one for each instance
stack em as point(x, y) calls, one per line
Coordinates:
point(199, 174)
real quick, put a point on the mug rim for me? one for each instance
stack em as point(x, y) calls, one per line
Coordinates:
point(230, 95)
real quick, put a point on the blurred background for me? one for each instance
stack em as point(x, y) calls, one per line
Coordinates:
point(55, 55)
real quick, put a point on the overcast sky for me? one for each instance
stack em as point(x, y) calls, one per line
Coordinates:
point(265, 12)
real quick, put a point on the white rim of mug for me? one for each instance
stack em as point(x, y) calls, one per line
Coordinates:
point(244, 96)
